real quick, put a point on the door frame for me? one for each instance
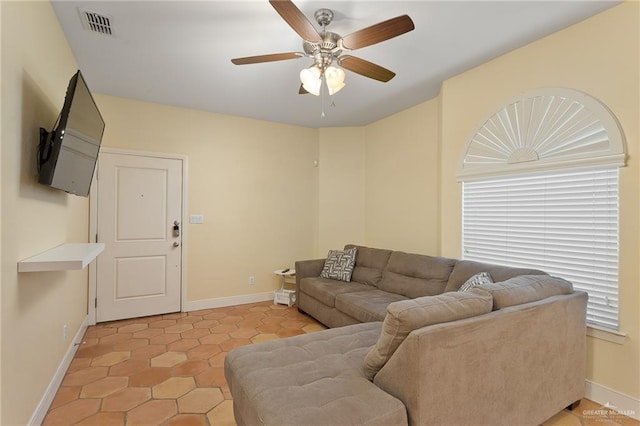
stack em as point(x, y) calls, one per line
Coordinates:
point(93, 225)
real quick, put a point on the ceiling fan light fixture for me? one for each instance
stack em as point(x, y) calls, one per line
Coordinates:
point(311, 80)
point(334, 77)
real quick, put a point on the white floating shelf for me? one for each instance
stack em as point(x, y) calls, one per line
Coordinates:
point(62, 258)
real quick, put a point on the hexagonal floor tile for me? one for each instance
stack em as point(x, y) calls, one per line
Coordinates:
point(178, 328)
point(130, 345)
point(200, 400)
point(94, 350)
point(64, 395)
point(264, 337)
point(206, 323)
point(223, 328)
point(104, 387)
point(187, 420)
point(148, 352)
point(112, 358)
point(183, 345)
point(222, 415)
point(214, 339)
point(244, 333)
point(212, 377)
point(313, 328)
point(150, 376)
point(218, 359)
point(203, 351)
point(168, 359)
point(126, 399)
point(103, 419)
point(288, 332)
point(194, 333)
point(132, 328)
point(234, 343)
point(164, 339)
point(129, 367)
point(116, 338)
point(162, 323)
point(191, 368)
point(85, 376)
point(148, 333)
point(72, 412)
point(173, 387)
point(152, 412)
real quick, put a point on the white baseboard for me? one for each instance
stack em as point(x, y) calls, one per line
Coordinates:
point(221, 302)
point(45, 402)
point(617, 401)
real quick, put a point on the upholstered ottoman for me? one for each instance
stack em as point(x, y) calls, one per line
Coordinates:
point(312, 379)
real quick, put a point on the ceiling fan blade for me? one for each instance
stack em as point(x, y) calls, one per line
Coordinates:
point(302, 90)
point(296, 20)
point(379, 32)
point(266, 58)
point(366, 68)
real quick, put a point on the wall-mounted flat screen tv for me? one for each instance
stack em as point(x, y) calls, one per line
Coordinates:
point(68, 154)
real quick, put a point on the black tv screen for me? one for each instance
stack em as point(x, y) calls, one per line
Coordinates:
point(68, 154)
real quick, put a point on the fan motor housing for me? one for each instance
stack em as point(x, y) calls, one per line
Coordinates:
point(328, 45)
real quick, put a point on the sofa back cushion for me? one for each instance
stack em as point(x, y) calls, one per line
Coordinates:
point(370, 262)
point(405, 316)
point(416, 275)
point(465, 269)
point(525, 289)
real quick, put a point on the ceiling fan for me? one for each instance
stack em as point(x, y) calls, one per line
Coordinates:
point(327, 48)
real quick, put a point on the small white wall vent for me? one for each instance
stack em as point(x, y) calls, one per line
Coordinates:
point(96, 22)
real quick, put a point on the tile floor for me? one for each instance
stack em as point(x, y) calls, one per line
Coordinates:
point(168, 369)
point(589, 413)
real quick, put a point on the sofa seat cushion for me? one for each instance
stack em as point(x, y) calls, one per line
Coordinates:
point(408, 315)
point(312, 379)
point(465, 269)
point(370, 263)
point(367, 306)
point(525, 289)
point(325, 290)
point(416, 275)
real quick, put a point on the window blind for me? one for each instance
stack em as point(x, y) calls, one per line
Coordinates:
point(565, 223)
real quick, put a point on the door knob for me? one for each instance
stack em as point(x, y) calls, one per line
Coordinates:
point(176, 244)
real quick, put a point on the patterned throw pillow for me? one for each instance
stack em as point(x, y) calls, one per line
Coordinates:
point(477, 279)
point(339, 264)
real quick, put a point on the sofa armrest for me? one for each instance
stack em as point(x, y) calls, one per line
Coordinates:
point(503, 368)
point(307, 268)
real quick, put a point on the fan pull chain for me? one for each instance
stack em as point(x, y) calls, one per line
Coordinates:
point(323, 85)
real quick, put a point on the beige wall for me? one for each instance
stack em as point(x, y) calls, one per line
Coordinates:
point(341, 201)
point(601, 57)
point(0, 226)
point(402, 175)
point(254, 181)
point(36, 67)
point(378, 184)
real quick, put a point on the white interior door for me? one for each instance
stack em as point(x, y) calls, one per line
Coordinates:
point(140, 271)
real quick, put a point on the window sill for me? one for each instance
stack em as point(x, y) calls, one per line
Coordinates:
point(604, 334)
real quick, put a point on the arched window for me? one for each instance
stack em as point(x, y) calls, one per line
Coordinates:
point(540, 189)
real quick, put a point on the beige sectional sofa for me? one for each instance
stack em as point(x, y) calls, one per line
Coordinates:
point(508, 353)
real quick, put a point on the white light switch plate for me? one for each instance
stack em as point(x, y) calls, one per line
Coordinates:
point(196, 218)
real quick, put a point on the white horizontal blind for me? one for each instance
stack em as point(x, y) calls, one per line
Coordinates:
point(565, 223)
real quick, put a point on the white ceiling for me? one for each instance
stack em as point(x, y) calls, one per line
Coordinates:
point(178, 52)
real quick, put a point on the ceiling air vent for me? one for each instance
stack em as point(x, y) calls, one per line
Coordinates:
point(96, 22)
